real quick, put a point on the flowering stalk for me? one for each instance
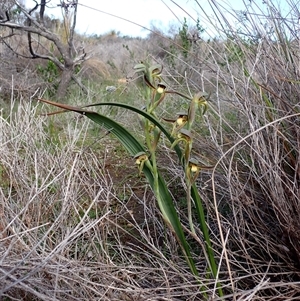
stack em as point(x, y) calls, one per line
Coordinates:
point(146, 159)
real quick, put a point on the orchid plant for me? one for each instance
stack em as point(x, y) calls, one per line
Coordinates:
point(181, 140)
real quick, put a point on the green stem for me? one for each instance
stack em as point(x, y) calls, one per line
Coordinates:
point(189, 204)
point(188, 181)
point(150, 146)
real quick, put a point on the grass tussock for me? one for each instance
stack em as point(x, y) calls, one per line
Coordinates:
point(257, 72)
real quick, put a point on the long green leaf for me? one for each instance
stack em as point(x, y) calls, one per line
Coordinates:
point(194, 190)
point(205, 232)
point(133, 147)
point(144, 114)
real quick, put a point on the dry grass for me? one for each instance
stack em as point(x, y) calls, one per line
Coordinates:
point(255, 140)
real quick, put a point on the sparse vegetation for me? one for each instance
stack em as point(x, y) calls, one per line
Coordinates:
point(78, 222)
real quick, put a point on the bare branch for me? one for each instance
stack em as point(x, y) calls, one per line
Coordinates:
point(68, 57)
point(4, 18)
point(33, 54)
point(50, 36)
point(72, 29)
point(42, 10)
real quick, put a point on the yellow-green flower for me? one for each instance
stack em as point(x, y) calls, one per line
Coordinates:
point(194, 169)
point(160, 88)
point(182, 119)
point(140, 159)
point(194, 165)
point(184, 135)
